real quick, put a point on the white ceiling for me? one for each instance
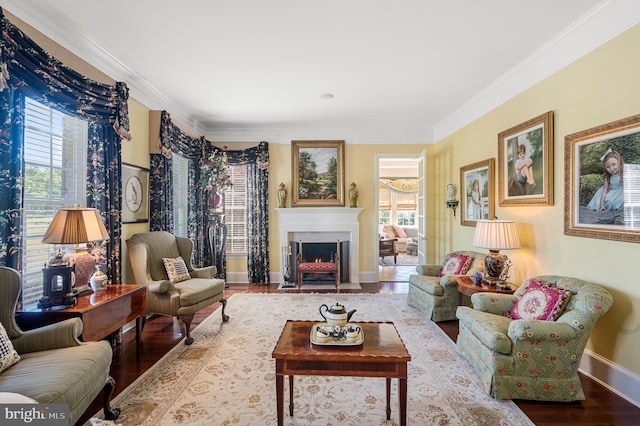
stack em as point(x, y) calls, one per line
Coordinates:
point(403, 71)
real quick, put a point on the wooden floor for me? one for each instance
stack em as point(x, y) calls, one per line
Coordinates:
point(601, 407)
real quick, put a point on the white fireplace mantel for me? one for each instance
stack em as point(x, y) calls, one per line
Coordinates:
point(330, 220)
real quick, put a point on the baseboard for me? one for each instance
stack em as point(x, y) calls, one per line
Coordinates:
point(617, 379)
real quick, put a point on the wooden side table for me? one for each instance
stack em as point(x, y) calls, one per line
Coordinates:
point(102, 312)
point(467, 286)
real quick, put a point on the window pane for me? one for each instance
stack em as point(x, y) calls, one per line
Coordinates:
point(235, 209)
point(55, 152)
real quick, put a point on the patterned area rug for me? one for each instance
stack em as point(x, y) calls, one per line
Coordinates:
point(227, 376)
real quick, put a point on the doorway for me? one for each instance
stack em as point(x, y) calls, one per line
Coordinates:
point(400, 214)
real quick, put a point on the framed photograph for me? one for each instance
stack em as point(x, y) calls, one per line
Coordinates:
point(318, 173)
point(476, 192)
point(135, 194)
point(602, 181)
point(525, 163)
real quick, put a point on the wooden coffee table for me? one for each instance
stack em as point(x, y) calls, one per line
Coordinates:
point(382, 354)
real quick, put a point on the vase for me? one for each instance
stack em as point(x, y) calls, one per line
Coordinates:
point(282, 196)
point(99, 281)
point(215, 198)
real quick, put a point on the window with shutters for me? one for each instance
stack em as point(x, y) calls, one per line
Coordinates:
point(396, 208)
point(235, 211)
point(180, 179)
point(55, 153)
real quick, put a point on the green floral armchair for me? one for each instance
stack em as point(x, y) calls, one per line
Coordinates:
point(436, 296)
point(530, 359)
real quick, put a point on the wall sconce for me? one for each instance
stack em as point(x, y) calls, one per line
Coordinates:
point(451, 202)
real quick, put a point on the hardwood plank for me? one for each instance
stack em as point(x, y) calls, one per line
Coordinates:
point(161, 333)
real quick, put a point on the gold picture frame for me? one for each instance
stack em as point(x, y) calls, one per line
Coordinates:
point(603, 156)
point(526, 181)
point(477, 204)
point(135, 194)
point(317, 174)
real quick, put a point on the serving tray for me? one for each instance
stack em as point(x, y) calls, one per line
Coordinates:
point(335, 339)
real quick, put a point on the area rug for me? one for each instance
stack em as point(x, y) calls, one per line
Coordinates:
point(401, 259)
point(328, 286)
point(227, 376)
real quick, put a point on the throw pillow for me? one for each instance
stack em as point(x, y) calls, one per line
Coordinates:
point(540, 302)
point(176, 269)
point(457, 264)
point(388, 229)
point(399, 231)
point(8, 355)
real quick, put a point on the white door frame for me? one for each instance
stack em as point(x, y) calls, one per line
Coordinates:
point(421, 208)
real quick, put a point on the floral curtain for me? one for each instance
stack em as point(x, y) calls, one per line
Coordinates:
point(26, 70)
point(174, 140)
point(257, 161)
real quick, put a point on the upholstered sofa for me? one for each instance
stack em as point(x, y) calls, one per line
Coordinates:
point(435, 295)
point(531, 359)
point(402, 234)
point(175, 297)
point(54, 366)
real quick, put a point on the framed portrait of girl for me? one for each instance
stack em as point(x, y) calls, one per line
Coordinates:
point(602, 184)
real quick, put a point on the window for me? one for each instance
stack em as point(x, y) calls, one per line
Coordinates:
point(397, 208)
point(180, 195)
point(235, 209)
point(55, 152)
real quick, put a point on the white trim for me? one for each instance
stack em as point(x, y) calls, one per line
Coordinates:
point(605, 21)
point(624, 383)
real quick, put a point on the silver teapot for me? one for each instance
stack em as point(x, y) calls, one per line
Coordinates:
point(336, 314)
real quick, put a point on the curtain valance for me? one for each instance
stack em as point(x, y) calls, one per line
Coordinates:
point(408, 186)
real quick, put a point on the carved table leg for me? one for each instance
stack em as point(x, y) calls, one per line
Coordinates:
point(225, 317)
point(109, 413)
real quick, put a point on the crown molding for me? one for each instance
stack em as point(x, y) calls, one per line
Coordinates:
point(602, 23)
point(89, 50)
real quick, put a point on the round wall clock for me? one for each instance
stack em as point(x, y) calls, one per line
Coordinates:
point(133, 193)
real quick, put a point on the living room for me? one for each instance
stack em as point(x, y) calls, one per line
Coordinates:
point(585, 93)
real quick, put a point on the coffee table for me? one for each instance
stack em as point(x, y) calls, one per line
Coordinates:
point(382, 354)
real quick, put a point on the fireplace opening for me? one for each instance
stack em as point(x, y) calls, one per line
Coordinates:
point(321, 252)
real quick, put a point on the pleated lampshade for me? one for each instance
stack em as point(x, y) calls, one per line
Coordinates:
point(76, 225)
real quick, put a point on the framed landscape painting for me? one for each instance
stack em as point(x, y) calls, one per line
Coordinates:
point(317, 173)
point(525, 163)
point(602, 181)
point(476, 182)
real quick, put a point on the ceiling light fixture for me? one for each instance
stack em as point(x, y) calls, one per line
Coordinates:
point(326, 96)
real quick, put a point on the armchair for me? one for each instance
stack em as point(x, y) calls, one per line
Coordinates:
point(530, 359)
point(435, 295)
point(55, 367)
point(164, 296)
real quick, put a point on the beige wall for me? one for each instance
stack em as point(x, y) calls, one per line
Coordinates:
point(598, 88)
point(135, 152)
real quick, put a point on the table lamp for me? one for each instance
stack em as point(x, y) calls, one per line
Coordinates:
point(71, 225)
point(496, 235)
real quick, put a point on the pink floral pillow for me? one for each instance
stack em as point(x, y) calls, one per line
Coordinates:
point(457, 264)
point(540, 302)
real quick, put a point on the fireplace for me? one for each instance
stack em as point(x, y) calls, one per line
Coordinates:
point(324, 225)
point(320, 252)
